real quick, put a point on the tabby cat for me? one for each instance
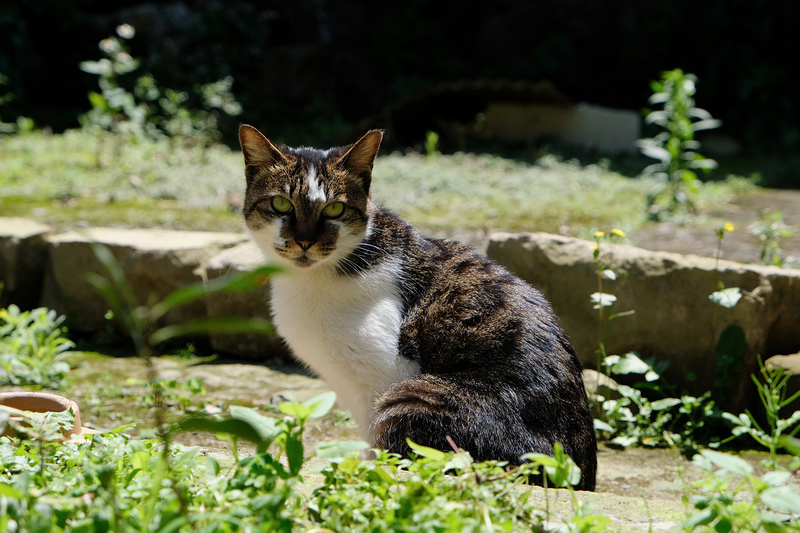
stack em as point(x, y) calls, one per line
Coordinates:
point(420, 338)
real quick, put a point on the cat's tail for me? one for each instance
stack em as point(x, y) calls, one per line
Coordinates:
point(489, 423)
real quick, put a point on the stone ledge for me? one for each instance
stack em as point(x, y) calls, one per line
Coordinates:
point(674, 318)
point(155, 263)
point(240, 258)
point(669, 292)
point(23, 252)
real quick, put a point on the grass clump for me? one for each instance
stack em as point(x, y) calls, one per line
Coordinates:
point(75, 178)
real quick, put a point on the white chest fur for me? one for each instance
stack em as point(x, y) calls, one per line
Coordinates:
point(345, 328)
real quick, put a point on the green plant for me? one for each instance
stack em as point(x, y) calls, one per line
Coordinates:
point(437, 491)
point(432, 144)
point(114, 108)
point(111, 482)
point(602, 299)
point(174, 393)
point(731, 344)
point(732, 498)
point(146, 109)
point(770, 229)
point(33, 348)
point(675, 147)
point(772, 391)
point(5, 97)
point(649, 414)
point(140, 320)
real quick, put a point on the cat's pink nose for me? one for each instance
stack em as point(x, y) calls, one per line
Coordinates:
point(305, 245)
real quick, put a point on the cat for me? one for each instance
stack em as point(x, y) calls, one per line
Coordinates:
point(420, 339)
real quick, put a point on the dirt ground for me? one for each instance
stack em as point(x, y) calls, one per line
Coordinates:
point(740, 245)
point(108, 396)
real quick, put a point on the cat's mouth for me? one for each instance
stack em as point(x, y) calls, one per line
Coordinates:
point(304, 261)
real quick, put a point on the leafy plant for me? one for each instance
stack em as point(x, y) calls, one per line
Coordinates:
point(732, 498)
point(731, 345)
point(147, 109)
point(33, 348)
point(114, 108)
point(675, 147)
point(174, 393)
point(432, 144)
point(141, 321)
point(116, 483)
point(772, 391)
point(770, 229)
point(602, 299)
point(648, 413)
point(5, 97)
point(438, 491)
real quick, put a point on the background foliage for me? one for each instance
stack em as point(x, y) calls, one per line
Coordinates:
point(310, 69)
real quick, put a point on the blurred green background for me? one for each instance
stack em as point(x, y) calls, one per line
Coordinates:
point(315, 71)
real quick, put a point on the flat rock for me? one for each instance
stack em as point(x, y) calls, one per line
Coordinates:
point(23, 253)
point(673, 319)
point(155, 263)
point(255, 304)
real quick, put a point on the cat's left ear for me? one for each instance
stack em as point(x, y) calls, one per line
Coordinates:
point(360, 157)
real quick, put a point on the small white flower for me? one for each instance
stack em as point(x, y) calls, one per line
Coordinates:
point(126, 31)
point(108, 45)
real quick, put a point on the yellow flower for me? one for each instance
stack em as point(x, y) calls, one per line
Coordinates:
point(618, 232)
point(595, 247)
point(599, 234)
point(728, 226)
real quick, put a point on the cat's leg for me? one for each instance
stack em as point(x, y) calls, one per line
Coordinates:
point(489, 424)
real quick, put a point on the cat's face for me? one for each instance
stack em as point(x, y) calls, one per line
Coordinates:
point(307, 207)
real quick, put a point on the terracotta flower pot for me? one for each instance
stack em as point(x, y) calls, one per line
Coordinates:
point(43, 402)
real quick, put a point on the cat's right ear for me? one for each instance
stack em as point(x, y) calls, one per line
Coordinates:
point(257, 149)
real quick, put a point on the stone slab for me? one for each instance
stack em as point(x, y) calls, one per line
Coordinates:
point(155, 263)
point(669, 293)
point(241, 258)
point(23, 255)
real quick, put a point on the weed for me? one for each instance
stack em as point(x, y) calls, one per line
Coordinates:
point(772, 391)
point(432, 144)
point(148, 110)
point(731, 344)
point(732, 498)
point(601, 299)
point(770, 229)
point(33, 348)
point(182, 396)
point(648, 413)
point(437, 491)
point(675, 147)
point(5, 97)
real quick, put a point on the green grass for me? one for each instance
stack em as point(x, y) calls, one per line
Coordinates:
point(76, 179)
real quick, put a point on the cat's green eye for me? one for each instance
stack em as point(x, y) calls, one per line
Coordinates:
point(281, 205)
point(333, 210)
